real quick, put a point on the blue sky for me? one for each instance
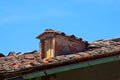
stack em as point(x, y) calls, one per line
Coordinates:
point(22, 20)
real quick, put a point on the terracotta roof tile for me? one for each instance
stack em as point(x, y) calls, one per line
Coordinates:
point(60, 33)
point(17, 63)
point(2, 55)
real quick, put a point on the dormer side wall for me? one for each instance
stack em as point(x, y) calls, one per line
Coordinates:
point(65, 45)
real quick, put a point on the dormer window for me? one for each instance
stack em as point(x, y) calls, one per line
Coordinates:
point(49, 47)
point(54, 43)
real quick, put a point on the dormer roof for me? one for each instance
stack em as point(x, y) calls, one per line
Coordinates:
point(58, 33)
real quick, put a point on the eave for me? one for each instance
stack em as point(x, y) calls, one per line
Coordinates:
point(72, 67)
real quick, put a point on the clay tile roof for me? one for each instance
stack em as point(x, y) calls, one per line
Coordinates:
point(2, 55)
point(60, 33)
point(30, 61)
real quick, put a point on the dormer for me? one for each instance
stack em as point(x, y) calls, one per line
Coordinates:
point(54, 43)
